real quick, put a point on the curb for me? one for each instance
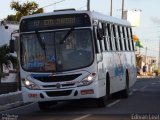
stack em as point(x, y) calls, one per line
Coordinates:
point(10, 94)
point(147, 76)
point(11, 105)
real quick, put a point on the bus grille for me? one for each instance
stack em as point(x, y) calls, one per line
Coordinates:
point(61, 78)
point(58, 93)
point(55, 86)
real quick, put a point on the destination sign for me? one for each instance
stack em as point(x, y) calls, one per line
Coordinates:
point(54, 22)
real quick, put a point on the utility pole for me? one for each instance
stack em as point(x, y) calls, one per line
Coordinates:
point(159, 56)
point(111, 9)
point(146, 55)
point(122, 8)
point(88, 5)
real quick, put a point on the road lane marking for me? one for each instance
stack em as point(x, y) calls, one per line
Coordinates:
point(10, 94)
point(11, 105)
point(144, 88)
point(82, 117)
point(19, 107)
point(153, 83)
point(113, 103)
point(134, 90)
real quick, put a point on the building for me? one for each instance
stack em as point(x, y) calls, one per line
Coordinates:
point(149, 60)
point(6, 28)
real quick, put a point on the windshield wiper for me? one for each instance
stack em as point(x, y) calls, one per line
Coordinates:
point(42, 44)
point(67, 35)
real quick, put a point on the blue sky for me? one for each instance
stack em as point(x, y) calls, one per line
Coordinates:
point(148, 31)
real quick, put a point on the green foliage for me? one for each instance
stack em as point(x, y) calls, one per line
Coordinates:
point(4, 50)
point(24, 9)
point(4, 57)
point(157, 71)
point(11, 18)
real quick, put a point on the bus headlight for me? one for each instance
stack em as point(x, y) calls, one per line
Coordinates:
point(30, 85)
point(88, 80)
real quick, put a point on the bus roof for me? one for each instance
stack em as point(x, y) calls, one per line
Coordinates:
point(92, 14)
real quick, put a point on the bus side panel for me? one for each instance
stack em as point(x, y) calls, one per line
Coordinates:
point(133, 73)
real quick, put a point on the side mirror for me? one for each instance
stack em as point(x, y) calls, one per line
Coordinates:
point(12, 42)
point(11, 46)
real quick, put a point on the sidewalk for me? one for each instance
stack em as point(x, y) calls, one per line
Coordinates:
point(10, 100)
point(141, 76)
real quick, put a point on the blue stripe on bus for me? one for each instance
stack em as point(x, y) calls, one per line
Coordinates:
point(40, 75)
point(119, 70)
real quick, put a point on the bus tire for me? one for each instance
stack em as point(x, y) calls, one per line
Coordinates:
point(46, 105)
point(125, 92)
point(101, 102)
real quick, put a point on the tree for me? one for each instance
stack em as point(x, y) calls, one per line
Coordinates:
point(4, 50)
point(24, 9)
point(11, 18)
point(5, 56)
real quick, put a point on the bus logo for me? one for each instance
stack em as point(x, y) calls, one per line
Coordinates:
point(58, 85)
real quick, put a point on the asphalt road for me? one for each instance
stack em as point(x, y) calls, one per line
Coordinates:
point(143, 103)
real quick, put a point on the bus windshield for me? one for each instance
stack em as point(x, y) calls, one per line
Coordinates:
point(56, 51)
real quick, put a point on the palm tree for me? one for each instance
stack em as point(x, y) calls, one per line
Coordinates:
point(24, 9)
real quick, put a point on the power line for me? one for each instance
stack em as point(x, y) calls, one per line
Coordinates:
point(82, 7)
point(61, 2)
point(54, 3)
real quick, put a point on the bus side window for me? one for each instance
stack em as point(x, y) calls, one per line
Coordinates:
point(101, 42)
point(115, 32)
point(128, 38)
point(125, 38)
point(120, 37)
point(106, 39)
point(131, 39)
point(105, 36)
point(109, 36)
point(102, 46)
point(114, 37)
point(96, 41)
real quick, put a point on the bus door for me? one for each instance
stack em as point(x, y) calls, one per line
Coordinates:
point(100, 60)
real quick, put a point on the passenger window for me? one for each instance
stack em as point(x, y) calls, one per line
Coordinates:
point(105, 35)
point(132, 39)
point(120, 37)
point(109, 36)
point(129, 39)
point(97, 46)
point(107, 45)
point(125, 37)
point(101, 35)
point(112, 39)
point(115, 37)
point(101, 42)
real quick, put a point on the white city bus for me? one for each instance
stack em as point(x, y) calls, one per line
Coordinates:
point(70, 55)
